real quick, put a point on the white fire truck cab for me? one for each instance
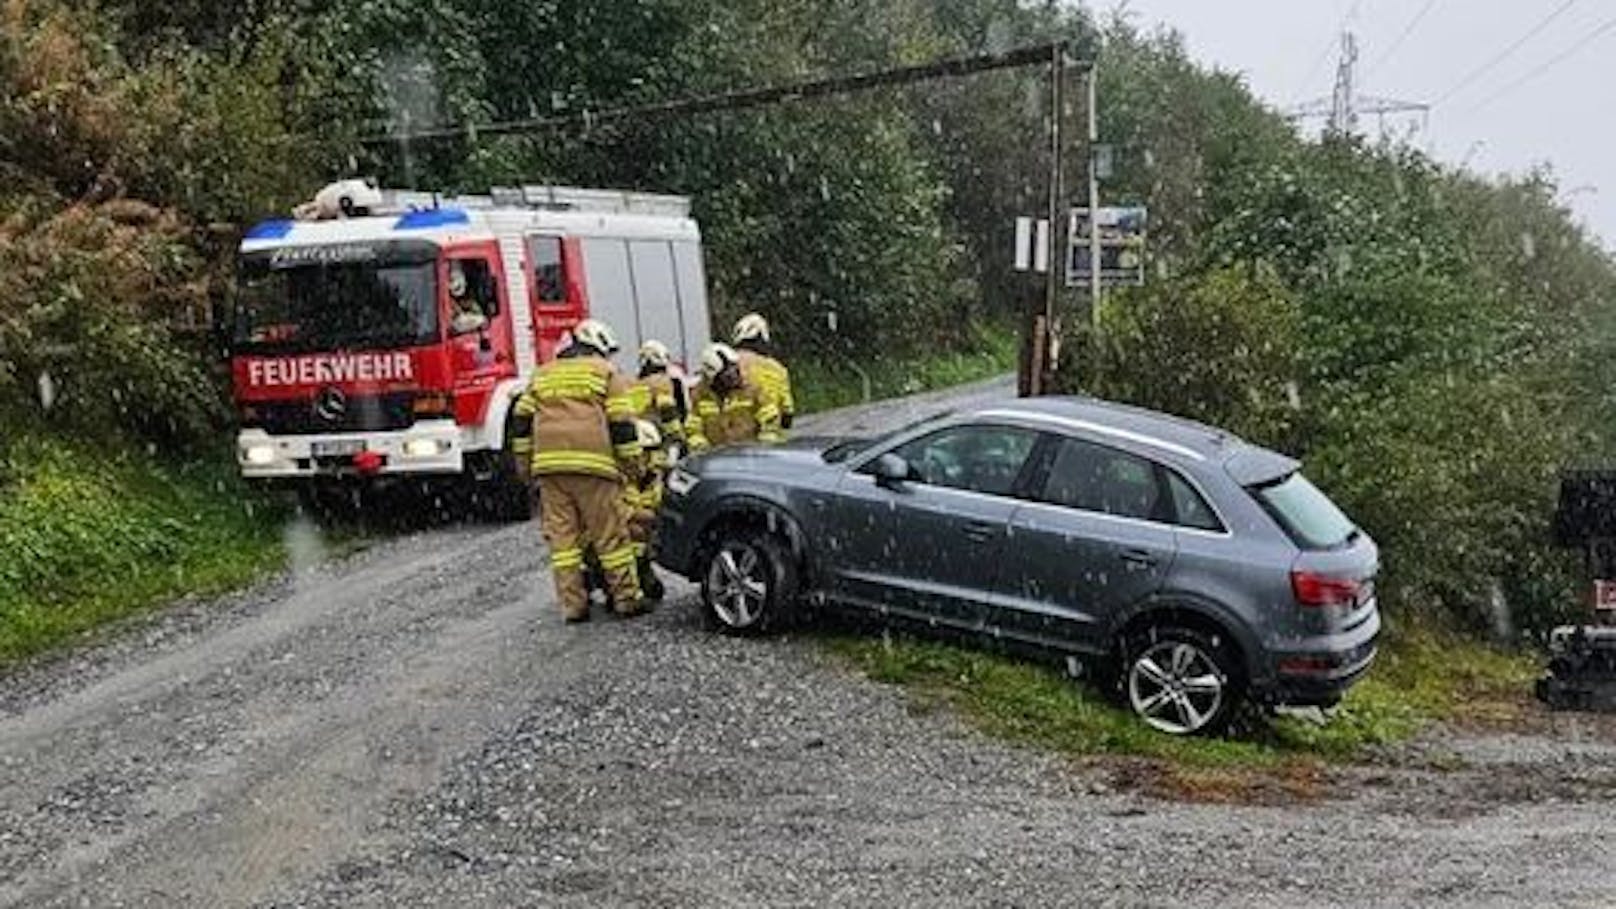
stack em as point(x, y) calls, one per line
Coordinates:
point(383, 334)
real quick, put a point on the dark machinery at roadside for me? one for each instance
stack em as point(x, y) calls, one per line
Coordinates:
point(1582, 658)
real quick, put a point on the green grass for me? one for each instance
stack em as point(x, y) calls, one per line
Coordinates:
point(90, 536)
point(823, 385)
point(1423, 677)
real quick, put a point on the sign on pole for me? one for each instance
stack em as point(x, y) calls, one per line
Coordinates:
point(1032, 245)
point(1122, 247)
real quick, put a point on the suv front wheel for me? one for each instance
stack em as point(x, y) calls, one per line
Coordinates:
point(1181, 682)
point(749, 583)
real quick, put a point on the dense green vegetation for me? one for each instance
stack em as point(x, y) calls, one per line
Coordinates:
point(91, 535)
point(1435, 344)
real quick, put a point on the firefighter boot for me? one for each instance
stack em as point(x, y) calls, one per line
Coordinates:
point(650, 585)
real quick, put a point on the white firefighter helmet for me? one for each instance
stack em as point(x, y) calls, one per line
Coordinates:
point(655, 355)
point(752, 327)
point(717, 358)
point(597, 334)
point(342, 199)
point(650, 436)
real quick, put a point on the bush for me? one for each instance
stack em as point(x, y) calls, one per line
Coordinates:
point(86, 298)
point(92, 533)
point(1224, 348)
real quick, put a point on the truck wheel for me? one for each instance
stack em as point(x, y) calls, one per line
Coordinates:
point(1180, 681)
point(498, 490)
point(748, 583)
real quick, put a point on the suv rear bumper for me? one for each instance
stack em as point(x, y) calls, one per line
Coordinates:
point(1317, 672)
point(428, 447)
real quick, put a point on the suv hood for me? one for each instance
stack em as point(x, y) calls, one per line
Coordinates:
point(787, 459)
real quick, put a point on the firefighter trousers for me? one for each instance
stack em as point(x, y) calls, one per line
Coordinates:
point(579, 511)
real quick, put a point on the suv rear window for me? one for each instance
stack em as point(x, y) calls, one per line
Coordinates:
point(1308, 515)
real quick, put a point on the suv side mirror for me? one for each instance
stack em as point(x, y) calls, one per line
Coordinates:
point(891, 471)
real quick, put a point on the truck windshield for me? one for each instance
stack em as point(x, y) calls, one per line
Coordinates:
point(324, 306)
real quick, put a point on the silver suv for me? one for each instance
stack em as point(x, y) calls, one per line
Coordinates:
point(1195, 568)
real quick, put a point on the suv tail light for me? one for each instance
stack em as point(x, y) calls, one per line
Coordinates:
point(1313, 589)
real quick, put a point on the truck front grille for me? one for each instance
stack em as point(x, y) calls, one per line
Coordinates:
point(374, 413)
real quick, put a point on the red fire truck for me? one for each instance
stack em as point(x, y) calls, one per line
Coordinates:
point(384, 334)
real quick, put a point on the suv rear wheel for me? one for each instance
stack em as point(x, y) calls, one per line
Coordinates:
point(1181, 681)
point(748, 583)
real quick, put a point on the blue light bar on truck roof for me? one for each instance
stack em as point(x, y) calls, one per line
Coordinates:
point(276, 229)
point(432, 218)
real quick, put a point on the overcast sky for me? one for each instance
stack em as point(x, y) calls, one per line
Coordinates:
point(1482, 111)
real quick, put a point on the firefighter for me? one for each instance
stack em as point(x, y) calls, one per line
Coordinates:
point(756, 350)
point(659, 396)
point(580, 424)
point(643, 499)
point(728, 409)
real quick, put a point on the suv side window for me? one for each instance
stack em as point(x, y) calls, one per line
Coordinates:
point(1192, 510)
point(986, 459)
point(1095, 478)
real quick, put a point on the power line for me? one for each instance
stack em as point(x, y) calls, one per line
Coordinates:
point(748, 98)
point(1505, 54)
point(1547, 65)
point(1395, 45)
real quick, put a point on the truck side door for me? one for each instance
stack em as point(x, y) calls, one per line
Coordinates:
point(478, 326)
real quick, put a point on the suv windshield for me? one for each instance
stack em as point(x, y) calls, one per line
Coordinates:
point(847, 448)
point(1308, 515)
point(387, 300)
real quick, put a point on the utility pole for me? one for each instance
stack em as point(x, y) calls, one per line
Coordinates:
point(1043, 327)
point(1095, 284)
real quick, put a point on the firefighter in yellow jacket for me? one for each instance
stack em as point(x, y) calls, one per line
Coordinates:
point(659, 396)
point(756, 351)
point(727, 409)
point(580, 426)
point(643, 498)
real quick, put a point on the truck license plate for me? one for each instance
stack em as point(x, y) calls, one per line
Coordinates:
point(337, 449)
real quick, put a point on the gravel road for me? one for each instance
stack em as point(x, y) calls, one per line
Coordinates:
point(412, 725)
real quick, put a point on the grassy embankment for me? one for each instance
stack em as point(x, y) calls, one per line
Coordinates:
point(88, 537)
point(1423, 677)
point(824, 385)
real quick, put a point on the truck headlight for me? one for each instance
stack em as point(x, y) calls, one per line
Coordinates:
point(421, 448)
point(681, 481)
point(258, 455)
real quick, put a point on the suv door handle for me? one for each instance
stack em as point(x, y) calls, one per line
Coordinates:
point(1138, 558)
point(979, 531)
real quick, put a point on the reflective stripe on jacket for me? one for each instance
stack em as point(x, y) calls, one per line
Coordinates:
point(579, 419)
point(743, 415)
